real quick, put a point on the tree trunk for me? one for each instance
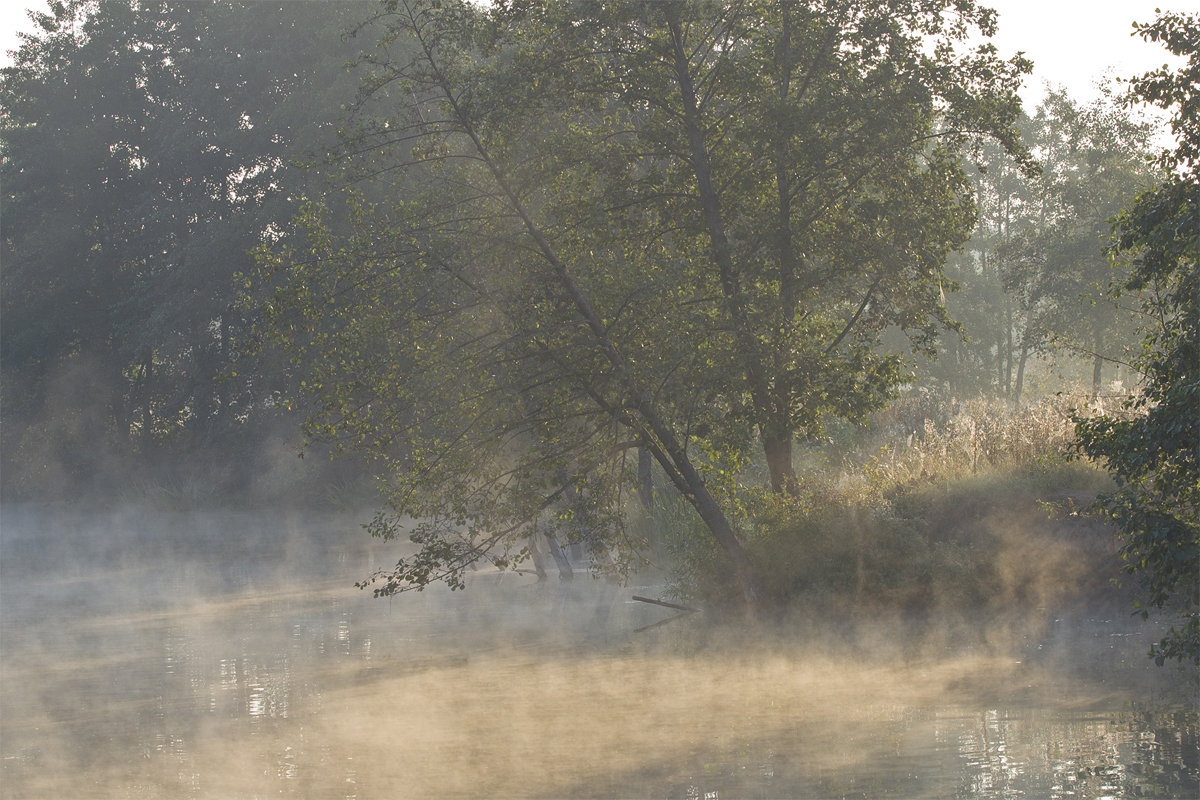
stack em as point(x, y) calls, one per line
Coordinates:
point(535, 555)
point(675, 462)
point(778, 450)
point(565, 572)
point(1098, 363)
point(1019, 385)
point(147, 410)
point(644, 479)
point(1008, 352)
point(955, 366)
point(706, 505)
point(757, 382)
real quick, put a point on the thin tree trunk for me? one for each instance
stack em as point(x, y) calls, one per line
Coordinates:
point(223, 387)
point(1008, 351)
point(535, 555)
point(147, 410)
point(645, 480)
point(1019, 385)
point(1097, 369)
point(1000, 366)
point(955, 363)
point(565, 572)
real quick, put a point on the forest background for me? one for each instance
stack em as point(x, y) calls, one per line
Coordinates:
point(188, 188)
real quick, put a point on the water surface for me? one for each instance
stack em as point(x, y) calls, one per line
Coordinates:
point(230, 656)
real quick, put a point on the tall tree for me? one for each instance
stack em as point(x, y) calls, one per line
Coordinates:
point(1153, 448)
point(1033, 278)
point(812, 153)
point(976, 356)
point(490, 341)
point(666, 225)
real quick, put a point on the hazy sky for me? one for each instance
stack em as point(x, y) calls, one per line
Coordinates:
point(1072, 42)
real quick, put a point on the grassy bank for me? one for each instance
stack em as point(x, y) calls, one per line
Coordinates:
point(938, 511)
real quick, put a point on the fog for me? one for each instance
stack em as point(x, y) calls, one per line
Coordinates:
point(227, 655)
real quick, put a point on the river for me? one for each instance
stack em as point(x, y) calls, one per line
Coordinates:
point(160, 655)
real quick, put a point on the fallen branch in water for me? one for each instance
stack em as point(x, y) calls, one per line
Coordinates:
point(662, 622)
point(685, 609)
point(668, 605)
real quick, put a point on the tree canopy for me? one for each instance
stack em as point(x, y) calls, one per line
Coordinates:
point(569, 230)
point(558, 242)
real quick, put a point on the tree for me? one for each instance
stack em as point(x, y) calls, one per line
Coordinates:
point(1094, 161)
point(497, 352)
point(1152, 450)
point(147, 147)
point(569, 230)
point(1034, 277)
point(812, 154)
point(975, 356)
point(1010, 203)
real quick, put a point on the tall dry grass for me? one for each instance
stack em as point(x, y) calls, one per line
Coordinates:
point(937, 510)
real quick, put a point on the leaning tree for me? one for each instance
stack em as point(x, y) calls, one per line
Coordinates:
point(567, 231)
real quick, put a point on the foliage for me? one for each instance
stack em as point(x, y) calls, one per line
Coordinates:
point(818, 176)
point(496, 351)
point(1032, 282)
point(146, 147)
point(1095, 160)
point(1152, 449)
point(569, 230)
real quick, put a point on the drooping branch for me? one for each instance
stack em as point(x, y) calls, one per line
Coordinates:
point(850, 323)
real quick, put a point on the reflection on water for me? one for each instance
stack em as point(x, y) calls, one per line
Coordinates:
point(230, 656)
point(1114, 754)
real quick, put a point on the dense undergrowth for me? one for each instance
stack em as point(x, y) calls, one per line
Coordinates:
point(938, 510)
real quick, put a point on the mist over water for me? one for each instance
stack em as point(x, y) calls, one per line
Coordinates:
point(229, 655)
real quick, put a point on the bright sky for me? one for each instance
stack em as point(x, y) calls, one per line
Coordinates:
point(1072, 42)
